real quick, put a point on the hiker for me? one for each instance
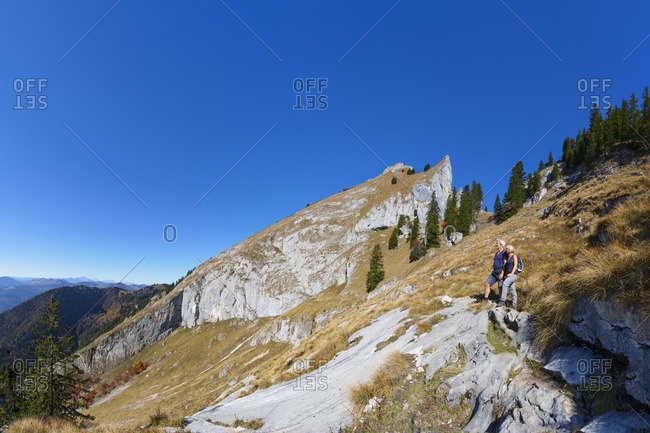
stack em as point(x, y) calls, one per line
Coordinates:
point(510, 274)
point(497, 269)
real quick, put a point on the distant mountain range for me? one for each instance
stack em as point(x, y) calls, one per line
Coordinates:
point(16, 290)
point(89, 311)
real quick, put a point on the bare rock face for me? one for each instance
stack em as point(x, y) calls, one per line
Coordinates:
point(619, 331)
point(110, 350)
point(281, 266)
point(532, 405)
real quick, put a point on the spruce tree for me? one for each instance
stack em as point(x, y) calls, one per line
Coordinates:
point(432, 227)
point(392, 242)
point(55, 370)
point(635, 116)
point(450, 209)
point(401, 220)
point(476, 193)
point(550, 159)
point(540, 167)
point(376, 272)
point(497, 208)
point(567, 152)
point(555, 173)
point(645, 113)
point(465, 212)
point(415, 231)
point(516, 194)
point(13, 404)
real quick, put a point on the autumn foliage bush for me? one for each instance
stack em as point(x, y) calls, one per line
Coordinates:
point(106, 387)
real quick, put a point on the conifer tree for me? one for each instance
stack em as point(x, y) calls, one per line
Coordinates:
point(376, 272)
point(540, 167)
point(415, 231)
point(62, 383)
point(497, 208)
point(635, 115)
point(465, 212)
point(550, 159)
point(432, 227)
point(427, 167)
point(450, 209)
point(393, 181)
point(516, 194)
point(476, 193)
point(13, 404)
point(555, 173)
point(392, 242)
point(401, 221)
point(645, 113)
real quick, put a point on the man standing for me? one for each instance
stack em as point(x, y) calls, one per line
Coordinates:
point(497, 270)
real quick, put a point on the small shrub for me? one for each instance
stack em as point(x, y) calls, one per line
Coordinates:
point(393, 180)
point(410, 171)
point(417, 250)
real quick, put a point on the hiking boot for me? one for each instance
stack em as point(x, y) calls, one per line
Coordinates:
point(501, 304)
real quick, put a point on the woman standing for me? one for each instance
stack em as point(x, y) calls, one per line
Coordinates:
point(510, 274)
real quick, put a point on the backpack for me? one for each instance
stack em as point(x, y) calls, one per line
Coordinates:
point(520, 264)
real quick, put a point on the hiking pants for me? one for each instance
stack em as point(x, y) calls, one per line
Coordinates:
point(509, 286)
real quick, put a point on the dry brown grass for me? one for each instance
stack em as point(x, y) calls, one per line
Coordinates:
point(56, 425)
point(394, 369)
point(617, 270)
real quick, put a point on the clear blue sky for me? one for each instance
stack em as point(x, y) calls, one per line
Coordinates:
point(171, 94)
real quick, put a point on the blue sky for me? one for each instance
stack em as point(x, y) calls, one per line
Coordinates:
point(171, 95)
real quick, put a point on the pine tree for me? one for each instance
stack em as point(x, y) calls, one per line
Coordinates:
point(476, 193)
point(516, 194)
point(540, 167)
point(401, 221)
point(635, 116)
point(567, 152)
point(550, 159)
point(62, 380)
point(392, 242)
point(450, 209)
point(376, 272)
point(645, 115)
point(415, 231)
point(555, 173)
point(13, 404)
point(465, 212)
point(497, 209)
point(432, 227)
point(596, 145)
point(427, 167)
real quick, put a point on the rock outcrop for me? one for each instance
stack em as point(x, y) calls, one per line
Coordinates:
point(620, 332)
point(131, 337)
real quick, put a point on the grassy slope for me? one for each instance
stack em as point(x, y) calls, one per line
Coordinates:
point(184, 369)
